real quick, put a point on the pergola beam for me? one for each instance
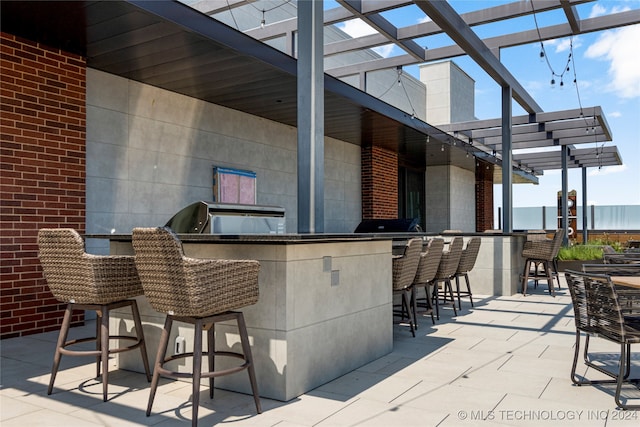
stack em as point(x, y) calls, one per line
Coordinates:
point(572, 15)
point(384, 27)
point(578, 157)
point(541, 117)
point(446, 18)
point(520, 38)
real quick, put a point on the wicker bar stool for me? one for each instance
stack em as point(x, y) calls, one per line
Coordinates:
point(427, 269)
point(90, 282)
point(541, 252)
point(466, 264)
point(201, 292)
point(446, 271)
point(404, 268)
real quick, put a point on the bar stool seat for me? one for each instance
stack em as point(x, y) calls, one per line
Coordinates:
point(201, 292)
point(90, 282)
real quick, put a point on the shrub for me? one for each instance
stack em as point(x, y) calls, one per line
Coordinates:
point(580, 253)
point(617, 246)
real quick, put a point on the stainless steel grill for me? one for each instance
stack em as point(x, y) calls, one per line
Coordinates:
point(224, 218)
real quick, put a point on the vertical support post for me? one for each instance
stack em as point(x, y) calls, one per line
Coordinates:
point(310, 117)
point(544, 218)
point(564, 197)
point(507, 179)
point(585, 226)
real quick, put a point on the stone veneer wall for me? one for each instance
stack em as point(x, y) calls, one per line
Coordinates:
point(42, 174)
point(151, 152)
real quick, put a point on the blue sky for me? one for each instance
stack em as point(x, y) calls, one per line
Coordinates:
point(607, 67)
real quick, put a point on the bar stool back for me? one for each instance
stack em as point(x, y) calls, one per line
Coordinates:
point(427, 269)
point(201, 292)
point(404, 268)
point(541, 252)
point(446, 271)
point(90, 282)
point(466, 264)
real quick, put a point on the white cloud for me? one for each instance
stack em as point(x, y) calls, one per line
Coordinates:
point(358, 28)
point(619, 47)
point(607, 170)
point(565, 44)
point(597, 10)
point(384, 51)
point(615, 114)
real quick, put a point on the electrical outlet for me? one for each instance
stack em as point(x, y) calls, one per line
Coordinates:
point(179, 346)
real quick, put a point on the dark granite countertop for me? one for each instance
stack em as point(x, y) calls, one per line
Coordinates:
point(288, 238)
point(294, 238)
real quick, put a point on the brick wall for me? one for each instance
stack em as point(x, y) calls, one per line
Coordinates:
point(379, 183)
point(42, 175)
point(484, 197)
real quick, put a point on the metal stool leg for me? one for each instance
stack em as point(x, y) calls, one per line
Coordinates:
point(104, 349)
point(197, 370)
point(139, 333)
point(211, 350)
point(160, 356)
point(62, 338)
point(246, 349)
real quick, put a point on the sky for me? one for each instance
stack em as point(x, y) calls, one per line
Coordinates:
point(607, 74)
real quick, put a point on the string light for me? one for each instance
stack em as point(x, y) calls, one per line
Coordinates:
point(399, 82)
point(263, 21)
point(589, 126)
point(545, 57)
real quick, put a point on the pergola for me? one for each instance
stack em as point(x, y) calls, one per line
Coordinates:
point(488, 139)
point(170, 45)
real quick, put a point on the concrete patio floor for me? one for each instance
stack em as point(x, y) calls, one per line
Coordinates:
point(505, 361)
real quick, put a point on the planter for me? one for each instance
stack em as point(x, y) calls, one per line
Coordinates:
point(576, 265)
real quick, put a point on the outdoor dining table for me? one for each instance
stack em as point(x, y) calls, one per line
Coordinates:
point(631, 281)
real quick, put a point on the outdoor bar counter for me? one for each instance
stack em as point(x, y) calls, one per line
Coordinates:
point(325, 305)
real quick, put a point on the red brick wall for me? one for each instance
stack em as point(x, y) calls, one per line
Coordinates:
point(379, 183)
point(484, 197)
point(42, 130)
